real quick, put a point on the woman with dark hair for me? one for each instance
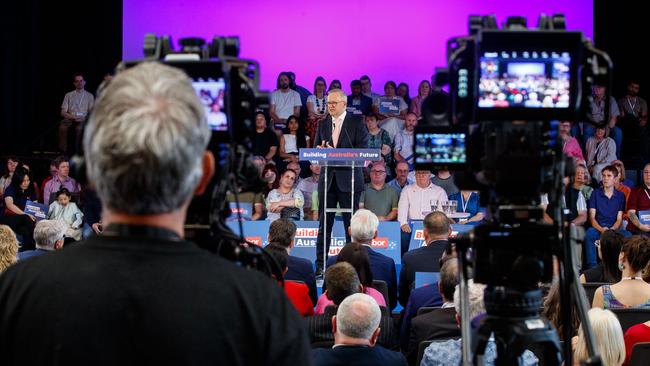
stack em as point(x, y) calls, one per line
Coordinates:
point(16, 195)
point(609, 247)
point(271, 177)
point(357, 256)
point(292, 139)
point(403, 91)
point(5, 179)
point(335, 84)
point(316, 106)
point(265, 141)
point(552, 310)
point(631, 291)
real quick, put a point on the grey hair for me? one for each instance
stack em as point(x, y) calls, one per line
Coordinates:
point(48, 232)
point(476, 304)
point(341, 94)
point(145, 140)
point(363, 226)
point(358, 316)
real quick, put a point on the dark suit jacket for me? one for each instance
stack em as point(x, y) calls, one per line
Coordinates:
point(383, 269)
point(354, 135)
point(420, 297)
point(300, 269)
point(438, 324)
point(357, 355)
point(320, 327)
point(425, 259)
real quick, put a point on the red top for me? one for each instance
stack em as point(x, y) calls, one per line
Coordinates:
point(636, 334)
point(298, 293)
point(639, 201)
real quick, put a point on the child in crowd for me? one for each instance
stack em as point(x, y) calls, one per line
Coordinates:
point(67, 212)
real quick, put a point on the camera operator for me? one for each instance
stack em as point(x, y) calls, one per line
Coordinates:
point(139, 293)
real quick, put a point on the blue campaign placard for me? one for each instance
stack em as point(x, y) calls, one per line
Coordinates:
point(417, 233)
point(340, 154)
point(426, 278)
point(245, 211)
point(644, 217)
point(38, 210)
point(387, 241)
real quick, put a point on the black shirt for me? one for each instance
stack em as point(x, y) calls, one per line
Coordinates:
point(128, 301)
point(262, 142)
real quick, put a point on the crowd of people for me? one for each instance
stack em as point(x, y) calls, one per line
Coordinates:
point(132, 223)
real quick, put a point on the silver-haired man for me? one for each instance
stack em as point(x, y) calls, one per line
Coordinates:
point(140, 293)
point(48, 235)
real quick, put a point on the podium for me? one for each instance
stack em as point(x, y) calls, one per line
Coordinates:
point(337, 158)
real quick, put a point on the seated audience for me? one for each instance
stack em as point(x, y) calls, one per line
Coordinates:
point(292, 139)
point(581, 181)
point(298, 293)
point(391, 110)
point(265, 141)
point(68, 213)
point(606, 208)
point(577, 208)
point(404, 149)
point(75, 108)
point(414, 201)
point(552, 310)
point(308, 186)
point(403, 92)
point(601, 152)
point(445, 180)
point(356, 328)
point(366, 87)
point(620, 166)
point(271, 177)
point(378, 138)
point(401, 179)
point(357, 256)
point(5, 179)
point(436, 230)
point(468, 202)
point(53, 173)
point(608, 335)
point(363, 229)
point(8, 247)
point(284, 103)
point(378, 197)
point(49, 235)
point(316, 107)
point(449, 352)
point(571, 146)
point(62, 180)
point(256, 201)
point(439, 323)
point(281, 200)
point(424, 90)
point(609, 247)
point(639, 333)
point(15, 197)
point(631, 291)
point(282, 233)
point(335, 84)
point(358, 103)
point(633, 122)
point(639, 201)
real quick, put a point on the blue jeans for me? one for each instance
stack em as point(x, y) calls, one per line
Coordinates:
point(591, 257)
point(588, 131)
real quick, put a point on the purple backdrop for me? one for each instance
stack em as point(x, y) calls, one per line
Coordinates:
point(338, 39)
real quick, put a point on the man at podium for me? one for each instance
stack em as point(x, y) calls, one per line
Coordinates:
point(340, 130)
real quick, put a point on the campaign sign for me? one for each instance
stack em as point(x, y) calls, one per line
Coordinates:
point(245, 211)
point(417, 233)
point(387, 241)
point(387, 106)
point(38, 210)
point(644, 217)
point(340, 154)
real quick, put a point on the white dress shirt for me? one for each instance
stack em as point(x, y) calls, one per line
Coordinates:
point(414, 200)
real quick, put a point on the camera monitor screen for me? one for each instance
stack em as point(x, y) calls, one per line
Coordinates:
point(438, 148)
point(524, 79)
point(212, 92)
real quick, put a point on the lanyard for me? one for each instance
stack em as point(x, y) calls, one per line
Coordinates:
point(463, 203)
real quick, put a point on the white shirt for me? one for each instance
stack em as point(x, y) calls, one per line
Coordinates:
point(338, 124)
point(415, 200)
point(285, 102)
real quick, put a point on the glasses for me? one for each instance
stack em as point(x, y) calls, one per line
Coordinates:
point(378, 171)
point(334, 103)
point(421, 173)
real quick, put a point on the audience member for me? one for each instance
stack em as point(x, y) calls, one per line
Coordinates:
point(609, 247)
point(449, 352)
point(308, 186)
point(356, 328)
point(355, 254)
point(297, 292)
point(316, 107)
point(414, 200)
point(445, 180)
point(435, 107)
point(436, 230)
point(16, 196)
point(292, 139)
point(403, 92)
point(596, 116)
point(401, 179)
point(265, 142)
point(577, 208)
point(366, 87)
point(271, 177)
point(620, 166)
point(67, 213)
point(424, 90)
point(74, 110)
point(304, 92)
point(358, 103)
point(608, 335)
point(256, 200)
point(633, 122)
point(49, 235)
point(404, 149)
point(440, 323)
point(285, 201)
point(378, 197)
point(581, 181)
point(5, 180)
point(606, 208)
point(552, 310)
point(571, 146)
point(92, 210)
point(378, 138)
point(639, 333)
point(335, 84)
point(601, 152)
point(391, 110)
point(282, 233)
point(8, 248)
point(631, 291)
point(284, 103)
point(185, 295)
point(62, 180)
point(638, 202)
point(468, 202)
point(53, 173)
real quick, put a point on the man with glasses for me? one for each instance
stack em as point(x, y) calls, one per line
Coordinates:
point(378, 197)
point(74, 110)
point(340, 130)
point(366, 87)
